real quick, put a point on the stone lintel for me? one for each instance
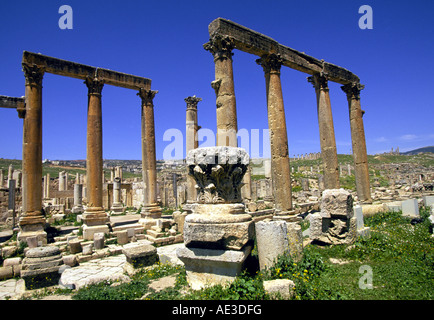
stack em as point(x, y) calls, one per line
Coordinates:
point(82, 71)
point(17, 103)
point(258, 44)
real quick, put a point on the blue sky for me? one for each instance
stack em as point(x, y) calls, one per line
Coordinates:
point(162, 40)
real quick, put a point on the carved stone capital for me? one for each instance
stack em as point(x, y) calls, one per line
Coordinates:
point(33, 74)
point(94, 86)
point(218, 172)
point(220, 47)
point(271, 63)
point(192, 102)
point(353, 90)
point(319, 81)
point(147, 96)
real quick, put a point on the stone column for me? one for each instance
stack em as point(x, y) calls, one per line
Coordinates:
point(78, 198)
point(10, 174)
point(117, 206)
point(191, 140)
point(227, 127)
point(280, 167)
point(32, 221)
point(151, 210)
point(61, 180)
point(326, 131)
point(94, 217)
point(358, 141)
point(47, 188)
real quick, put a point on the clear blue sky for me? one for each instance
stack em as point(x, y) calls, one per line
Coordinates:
point(162, 40)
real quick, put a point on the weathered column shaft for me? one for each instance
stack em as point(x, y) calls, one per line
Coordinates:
point(358, 141)
point(281, 171)
point(32, 219)
point(326, 131)
point(227, 127)
point(94, 161)
point(149, 161)
point(191, 140)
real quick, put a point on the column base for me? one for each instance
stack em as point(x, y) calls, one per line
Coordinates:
point(32, 225)
point(151, 211)
point(95, 216)
point(77, 209)
point(208, 267)
point(117, 208)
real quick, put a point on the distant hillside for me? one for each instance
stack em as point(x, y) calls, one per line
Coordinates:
point(416, 151)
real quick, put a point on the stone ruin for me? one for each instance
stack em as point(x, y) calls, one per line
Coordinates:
point(218, 232)
point(218, 235)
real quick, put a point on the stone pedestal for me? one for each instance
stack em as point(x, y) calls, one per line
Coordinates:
point(218, 235)
point(335, 224)
point(117, 206)
point(207, 267)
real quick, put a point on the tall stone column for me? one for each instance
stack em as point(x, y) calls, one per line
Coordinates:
point(117, 206)
point(95, 219)
point(326, 131)
point(191, 140)
point(280, 167)
point(32, 221)
point(151, 210)
point(358, 141)
point(227, 127)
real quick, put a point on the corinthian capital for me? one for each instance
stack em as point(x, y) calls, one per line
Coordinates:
point(220, 47)
point(271, 63)
point(33, 74)
point(319, 81)
point(353, 90)
point(147, 96)
point(192, 102)
point(94, 86)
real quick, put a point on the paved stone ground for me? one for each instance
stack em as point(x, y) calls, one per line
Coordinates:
point(93, 271)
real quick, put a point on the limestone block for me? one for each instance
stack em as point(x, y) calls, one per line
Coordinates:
point(11, 262)
point(218, 232)
point(32, 242)
point(179, 219)
point(70, 260)
point(336, 203)
point(282, 287)
point(75, 246)
point(87, 249)
point(410, 208)
point(272, 241)
point(6, 272)
point(122, 237)
point(428, 201)
point(141, 255)
point(295, 240)
point(98, 240)
point(207, 267)
point(315, 226)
